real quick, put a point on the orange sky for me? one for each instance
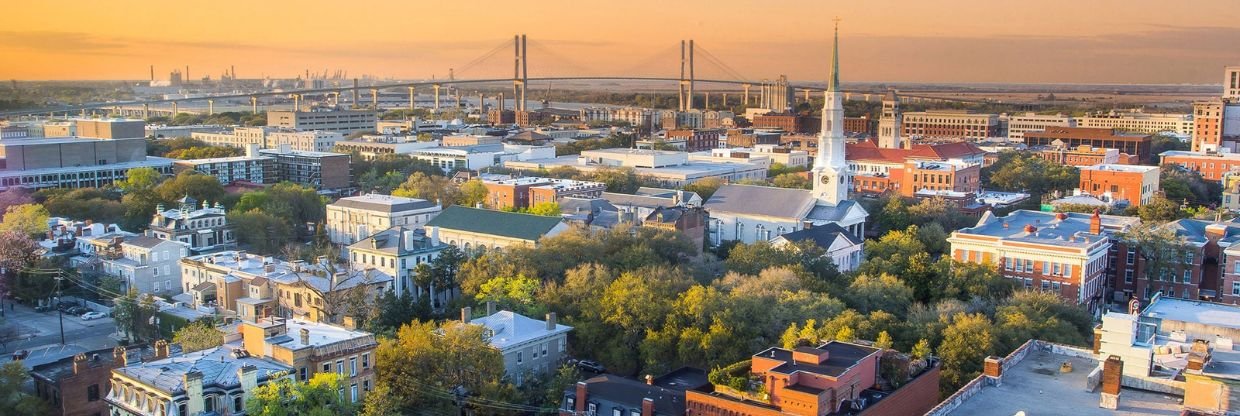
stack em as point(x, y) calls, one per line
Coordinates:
point(1082, 41)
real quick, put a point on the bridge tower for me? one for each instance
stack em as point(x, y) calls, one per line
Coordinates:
point(686, 83)
point(520, 71)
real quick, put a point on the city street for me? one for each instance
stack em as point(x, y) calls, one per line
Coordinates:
point(41, 335)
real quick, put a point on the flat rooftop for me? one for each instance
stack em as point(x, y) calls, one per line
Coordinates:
point(223, 160)
point(1185, 153)
point(320, 335)
point(32, 141)
point(1205, 313)
point(1036, 387)
point(1120, 168)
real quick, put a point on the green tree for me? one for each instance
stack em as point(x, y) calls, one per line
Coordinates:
point(1027, 172)
point(264, 233)
point(139, 180)
point(1031, 314)
point(474, 192)
point(921, 349)
point(429, 187)
point(705, 187)
point(1160, 210)
point(204, 188)
point(516, 293)
point(198, 336)
point(790, 180)
point(1161, 249)
point(320, 396)
point(18, 252)
point(966, 342)
point(12, 397)
point(879, 293)
point(546, 209)
point(28, 219)
point(621, 179)
point(134, 315)
point(425, 363)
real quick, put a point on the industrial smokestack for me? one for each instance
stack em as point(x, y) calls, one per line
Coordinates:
point(187, 74)
point(233, 70)
point(152, 72)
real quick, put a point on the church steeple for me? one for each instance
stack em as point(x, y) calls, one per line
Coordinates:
point(830, 167)
point(833, 83)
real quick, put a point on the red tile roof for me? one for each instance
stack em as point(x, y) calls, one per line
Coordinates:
point(867, 150)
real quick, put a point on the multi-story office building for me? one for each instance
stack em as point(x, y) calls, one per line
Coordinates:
point(201, 228)
point(1231, 83)
point(252, 169)
point(1018, 124)
point(241, 137)
point(1216, 125)
point(338, 121)
point(1084, 156)
point(1133, 144)
point(481, 156)
point(71, 162)
point(307, 141)
point(110, 128)
point(323, 171)
point(950, 124)
point(352, 219)
point(309, 348)
point(523, 192)
point(530, 347)
point(1133, 183)
point(1064, 253)
point(697, 139)
point(1140, 122)
point(952, 167)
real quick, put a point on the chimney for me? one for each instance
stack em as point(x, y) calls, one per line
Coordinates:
point(551, 321)
point(993, 367)
point(1095, 223)
point(193, 392)
point(1112, 376)
point(647, 407)
point(161, 349)
point(248, 375)
point(409, 239)
point(490, 307)
point(434, 236)
point(323, 262)
point(583, 394)
point(467, 314)
point(649, 380)
point(305, 336)
point(807, 225)
point(79, 363)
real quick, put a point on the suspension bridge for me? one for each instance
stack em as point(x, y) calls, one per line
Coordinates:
point(725, 80)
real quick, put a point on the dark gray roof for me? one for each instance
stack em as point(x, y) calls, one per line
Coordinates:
point(392, 239)
point(572, 205)
point(1195, 230)
point(485, 221)
point(217, 365)
point(383, 203)
point(832, 213)
point(144, 241)
point(630, 393)
point(822, 235)
point(646, 201)
point(761, 200)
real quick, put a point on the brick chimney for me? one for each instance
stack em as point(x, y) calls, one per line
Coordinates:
point(490, 307)
point(1112, 377)
point(647, 407)
point(649, 380)
point(583, 394)
point(161, 349)
point(467, 314)
point(79, 363)
point(1095, 223)
point(305, 336)
point(551, 321)
point(993, 367)
point(193, 392)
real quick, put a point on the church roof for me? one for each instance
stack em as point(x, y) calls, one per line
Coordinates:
point(761, 200)
point(832, 213)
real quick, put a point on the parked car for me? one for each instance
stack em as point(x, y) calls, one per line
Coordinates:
point(592, 366)
point(43, 308)
point(78, 310)
point(93, 315)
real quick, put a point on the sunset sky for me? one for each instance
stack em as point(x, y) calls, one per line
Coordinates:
point(1129, 41)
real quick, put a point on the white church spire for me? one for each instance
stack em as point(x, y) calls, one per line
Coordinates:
point(831, 179)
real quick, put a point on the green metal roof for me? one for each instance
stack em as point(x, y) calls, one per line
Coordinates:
point(485, 221)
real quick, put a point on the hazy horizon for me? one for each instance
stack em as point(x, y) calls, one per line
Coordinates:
point(938, 42)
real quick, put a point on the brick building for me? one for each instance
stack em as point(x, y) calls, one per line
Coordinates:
point(1073, 137)
point(523, 192)
point(697, 140)
point(950, 124)
point(1134, 183)
point(74, 386)
point(1199, 275)
point(1065, 253)
point(1211, 166)
point(1084, 156)
point(309, 348)
point(952, 167)
point(830, 379)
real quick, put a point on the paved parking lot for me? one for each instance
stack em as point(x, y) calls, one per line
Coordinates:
point(40, 334)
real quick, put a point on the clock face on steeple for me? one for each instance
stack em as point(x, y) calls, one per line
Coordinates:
point(826, 180)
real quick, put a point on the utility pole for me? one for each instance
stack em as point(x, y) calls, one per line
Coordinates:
point(60, 314)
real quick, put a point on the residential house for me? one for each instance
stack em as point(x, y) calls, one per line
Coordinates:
point(609, 394)
point(396, 251)
point(308, 348)
point(843, 248)
point(203, 229)
point(529, 346)
point(146, 264)
point(213, 381)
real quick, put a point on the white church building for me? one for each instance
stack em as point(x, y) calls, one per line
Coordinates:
point(748, 214)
